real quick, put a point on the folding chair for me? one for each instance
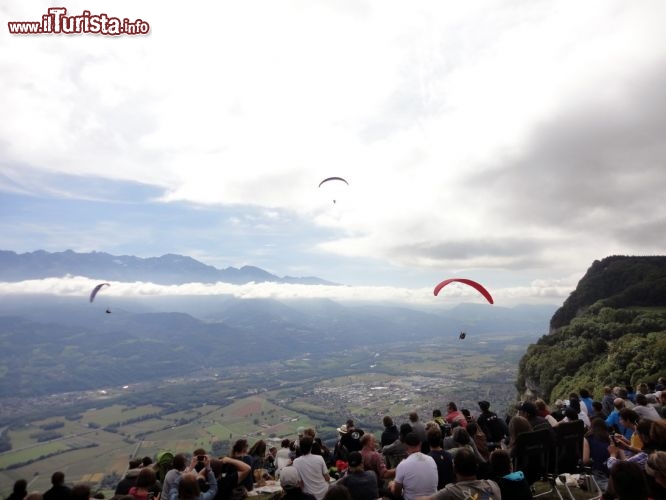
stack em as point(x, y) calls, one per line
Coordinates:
point(532, 456)
point(569, 455)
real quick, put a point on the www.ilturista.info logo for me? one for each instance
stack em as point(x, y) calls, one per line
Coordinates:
point(57, 22)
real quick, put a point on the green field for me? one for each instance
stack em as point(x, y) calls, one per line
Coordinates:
point(95, 446)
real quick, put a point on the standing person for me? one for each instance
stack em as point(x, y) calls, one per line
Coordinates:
point(351, 439)
point(492, 426)
point(361, 483)
point(416, 476)
point(340, 451)
point(312, 470)
point(467, 485)
point(58, 490)
point(390, 433)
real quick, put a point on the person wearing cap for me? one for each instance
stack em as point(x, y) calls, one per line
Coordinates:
point(492, 426)
point(351, 439)
point(416, 476)
point(361, 483)
point(291, 483)
point(340, 452)
point(312, 469)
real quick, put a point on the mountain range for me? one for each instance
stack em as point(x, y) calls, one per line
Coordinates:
point(57, 343)
point(169, 269)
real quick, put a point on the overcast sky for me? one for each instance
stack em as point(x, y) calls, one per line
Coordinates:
point(511, 142)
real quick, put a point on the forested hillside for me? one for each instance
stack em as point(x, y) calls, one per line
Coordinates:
point(610, 331)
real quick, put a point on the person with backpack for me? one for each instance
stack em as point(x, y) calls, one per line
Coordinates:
point(492, 426)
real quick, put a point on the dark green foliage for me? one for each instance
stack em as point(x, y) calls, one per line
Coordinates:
point(619, 281)
point(52, 425)
point(602, 347)
point(45, 436)
point(610, 331)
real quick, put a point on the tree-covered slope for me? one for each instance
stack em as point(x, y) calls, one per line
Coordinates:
point(610, 331)
point(618, 281)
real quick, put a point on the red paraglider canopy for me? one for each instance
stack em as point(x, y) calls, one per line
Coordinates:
point(471, 283)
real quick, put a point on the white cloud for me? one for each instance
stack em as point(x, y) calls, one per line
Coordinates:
point(442, 115)
point(77, 286)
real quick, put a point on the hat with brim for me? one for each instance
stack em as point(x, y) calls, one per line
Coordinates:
point(342, 429)
point(289, 477)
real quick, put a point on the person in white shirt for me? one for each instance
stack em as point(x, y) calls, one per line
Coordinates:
point(312, 469)
point(416, 476)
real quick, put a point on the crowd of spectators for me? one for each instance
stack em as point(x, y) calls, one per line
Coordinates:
point(453, 455)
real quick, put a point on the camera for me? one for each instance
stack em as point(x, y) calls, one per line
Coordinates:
point(201, 458)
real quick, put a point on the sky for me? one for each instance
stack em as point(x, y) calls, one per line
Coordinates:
point(512, 142)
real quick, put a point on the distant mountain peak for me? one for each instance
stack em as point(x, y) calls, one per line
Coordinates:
point(169, 269)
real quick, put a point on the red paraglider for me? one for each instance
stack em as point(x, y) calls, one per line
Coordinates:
point(97, 289)
point(471, 283)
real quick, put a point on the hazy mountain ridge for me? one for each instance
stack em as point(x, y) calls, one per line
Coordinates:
point(169, 269)
point(57, 343)
point(610, 331)
point(74, 345)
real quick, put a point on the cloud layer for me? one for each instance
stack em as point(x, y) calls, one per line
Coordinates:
point(516, 141)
